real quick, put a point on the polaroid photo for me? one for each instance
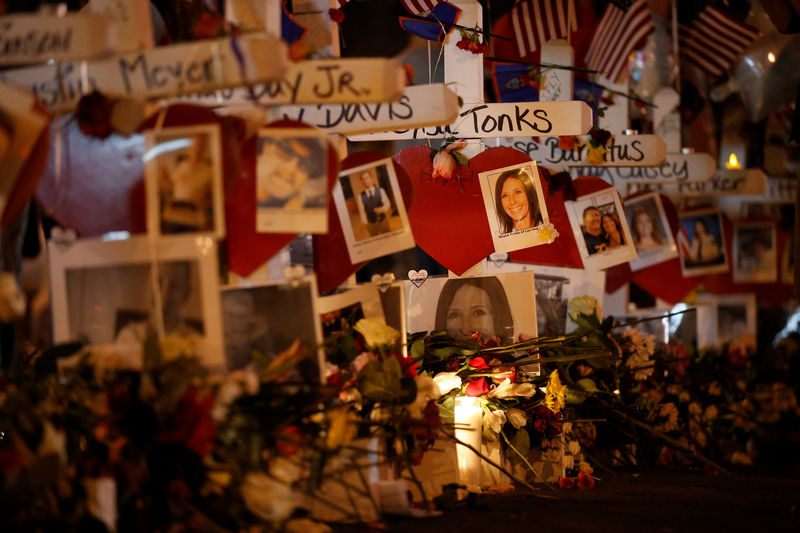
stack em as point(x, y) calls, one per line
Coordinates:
point(268, 318)
point(292, 181)
point(649, 227)
point(183, 180)
point(733, 317)
point(755, 257)
point(555, 287)
point(371, 211)
point(116, 294)
point(394, 310)
point(347, 308)
point(753, 209)
point(515, 206)
point(601, 230)
point(502, 305)
point(701, 243)
point(682, 325)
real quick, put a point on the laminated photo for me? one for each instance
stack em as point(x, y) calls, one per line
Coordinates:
point(117, 294)
point(338, 311)
point(515, 207)
point(701, 243)
point(755, 253)
point(261, 321)
point(371, 211)
point(183, 179)
point(292, 181)
point(650, 231)
point(601, 229)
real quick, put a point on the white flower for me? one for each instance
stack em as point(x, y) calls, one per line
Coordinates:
point(710, 414)
point(427, 390)
point(517, 417)
point(12, 299)
point(585, 305)
point(695, 409)
point(285, 470)
point(447, 381)
point(503, 390)
point(376, 333)
point(524, 390)
point(567, 461)
point(53, 442)
point(494, 421)
point(573, 447)
point(443, 165)
point(670, 412)
point(267, 498)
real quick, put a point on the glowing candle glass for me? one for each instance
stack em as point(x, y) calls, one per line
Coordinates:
point(467, 417)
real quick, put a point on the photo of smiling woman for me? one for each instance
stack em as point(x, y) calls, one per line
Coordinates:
point(516, 202)
point(470, 305)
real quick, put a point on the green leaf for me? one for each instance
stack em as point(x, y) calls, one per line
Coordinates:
point(522, 442)
point(380, 382)
point(418, 348)
point(587, 384)
point(460, 158)
point(446, 352)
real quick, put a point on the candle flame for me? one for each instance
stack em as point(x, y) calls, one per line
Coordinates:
point(733, 162)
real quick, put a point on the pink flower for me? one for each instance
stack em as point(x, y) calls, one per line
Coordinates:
point(443, 165)
point(477, 387)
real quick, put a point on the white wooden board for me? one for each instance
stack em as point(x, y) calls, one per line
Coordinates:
point(521, 119)
point(26, 39)
point(623, 151)
point(676, 168)
point(666, 119)
point(556, 84)
point(421, 106)
point(319, 81)
point(132, 22)
point(726, 182)
point(199, 66)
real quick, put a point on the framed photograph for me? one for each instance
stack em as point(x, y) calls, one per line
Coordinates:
point(755, 253)
point(117, 293)
point(292, 181)
point(514, 205)
point(183, 178)
point(733, 316)
point(502, 305)
point(601, 229)
point(555, 287)
point(347, 308)
point(371, 211)
point(658, 326)
point(701, 243)
point(268, 318)
point(682, 328)
point(650, 231)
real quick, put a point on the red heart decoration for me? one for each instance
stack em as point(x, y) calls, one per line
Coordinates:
point(331, 260)
point(448, 217)
point(248, 249)
point(563, 252)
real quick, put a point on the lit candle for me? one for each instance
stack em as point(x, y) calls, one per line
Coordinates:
point(467, 417)
point(733, 162)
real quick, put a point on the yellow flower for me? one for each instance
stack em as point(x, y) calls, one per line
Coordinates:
point(547, 233)
point(556, 396)
point(343, 427)
point(596, 155)
point(376, 333)
point(176, 345)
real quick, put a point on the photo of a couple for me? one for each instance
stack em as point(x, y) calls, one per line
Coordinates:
point(602, 230)
point(603, 236)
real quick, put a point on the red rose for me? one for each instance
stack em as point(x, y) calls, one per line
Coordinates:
point(432, 416)
point(525, 78)
point(566, 482)
point(463, 43)
point(566, 142)
point(478, 363)
point(476, 387)
point(337, 15)
point(288, 440)
point(208, 26)
point(585, 481)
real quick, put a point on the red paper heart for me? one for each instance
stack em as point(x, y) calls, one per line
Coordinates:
point(331, 260)
point(449, 218)
point(563, 252)
point(248, 249)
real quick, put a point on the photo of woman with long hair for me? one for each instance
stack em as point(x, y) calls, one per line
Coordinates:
point(470, 305)
point(646, 233)
point(612, 230)
point(516, 202)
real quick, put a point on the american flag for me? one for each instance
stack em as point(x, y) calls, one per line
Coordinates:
point(618, 34)
point(535, 22)
point(715, 40)
point(421, 8)
point(683, 243)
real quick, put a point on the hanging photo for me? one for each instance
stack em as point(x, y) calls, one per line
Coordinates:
point(500, 306)
point(394, 309)
point(116, 294)
point(515, 207)
point(601, 230)
point(292, 181)
point(371, 211)
point(731, 317)
point(555, 287)
point(267, 319)
point(755, 253)
point(657, 327)
point(650, 231)
point(701, 243)
point(347, 308)
point(183, 177)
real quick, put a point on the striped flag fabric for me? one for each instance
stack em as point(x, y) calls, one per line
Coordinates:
point(435, 25)
point(683, 243)
point(618, 34)
point(535, 22)
point(420, 8)
point(715, 41)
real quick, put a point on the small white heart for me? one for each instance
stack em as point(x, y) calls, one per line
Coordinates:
point(294, 272)
point(498, 259)
point(418, 277)
point(63, 237)
point(383, 281)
